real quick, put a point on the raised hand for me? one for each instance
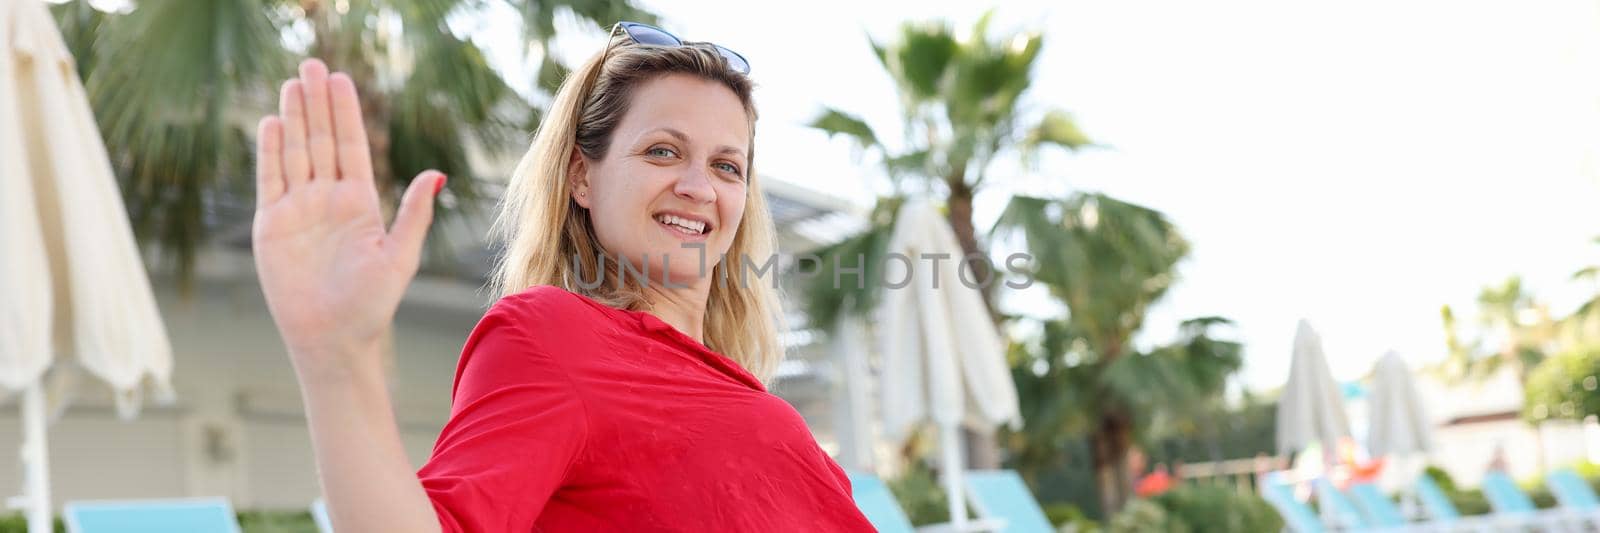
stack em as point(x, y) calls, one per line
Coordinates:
point(332, 275)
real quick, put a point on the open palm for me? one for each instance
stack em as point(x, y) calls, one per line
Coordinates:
point(332, 274)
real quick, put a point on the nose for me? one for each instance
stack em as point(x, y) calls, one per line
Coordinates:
point(694, 185)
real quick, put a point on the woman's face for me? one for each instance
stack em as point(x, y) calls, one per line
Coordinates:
point(673, 179)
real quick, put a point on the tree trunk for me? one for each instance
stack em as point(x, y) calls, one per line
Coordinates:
point(960, 217)
point(1109, 446)
point(983, 452)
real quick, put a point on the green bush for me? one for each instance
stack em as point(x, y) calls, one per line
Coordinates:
point(1440, 478)
point(1467, 501)
point(277, 522)
point(1588, 470)
point(1565, 386)
point(1069, 517)
point(1144, 516)
point(1218, 508)
point(920, 495)
point(16, 523)
point(1473, 502)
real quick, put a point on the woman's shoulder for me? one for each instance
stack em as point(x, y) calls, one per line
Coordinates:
point(542, 322)
point(543, 309)
point(539, 299)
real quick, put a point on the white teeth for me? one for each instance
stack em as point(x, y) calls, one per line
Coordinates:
point(694, 226)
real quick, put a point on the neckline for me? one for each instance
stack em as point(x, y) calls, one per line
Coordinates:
point(650, 323)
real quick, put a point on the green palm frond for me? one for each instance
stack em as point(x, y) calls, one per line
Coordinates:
point(1588, 310)
point(454, 72)
point(80, 25)
point(908, 164)
point(430, 13)
point(1513, 330)
point(423, 137)
point(920, 61)
point(171, 83)
point(539, 16)
point(538, 22)
point(836, 122)
point(989, 77)
point(829, 294)
point(1056, 128)
point(1106, 259)
point(1204, 361)
point(552, 73)
point(1057, 404)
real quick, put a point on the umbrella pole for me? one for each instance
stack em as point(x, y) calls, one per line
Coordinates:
point(950, 448)
point(35, 461)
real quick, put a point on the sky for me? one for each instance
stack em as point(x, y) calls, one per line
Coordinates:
point(1356, 164)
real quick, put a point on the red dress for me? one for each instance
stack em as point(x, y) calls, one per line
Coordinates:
point(569, 415)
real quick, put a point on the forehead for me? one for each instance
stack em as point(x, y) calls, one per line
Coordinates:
point(708, 112)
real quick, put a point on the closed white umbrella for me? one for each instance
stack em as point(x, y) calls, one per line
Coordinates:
point(1311, 408)
point(943, 360)
point(69, 269)
point(1398, 423)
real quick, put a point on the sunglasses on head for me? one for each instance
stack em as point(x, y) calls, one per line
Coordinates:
point(642, 33)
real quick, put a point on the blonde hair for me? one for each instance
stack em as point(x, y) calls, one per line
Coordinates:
point(551, 241)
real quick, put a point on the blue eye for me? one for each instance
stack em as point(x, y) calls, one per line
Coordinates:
point(728, 167)
point(659, 151)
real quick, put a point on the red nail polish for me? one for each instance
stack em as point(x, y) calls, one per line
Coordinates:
point(440, 184)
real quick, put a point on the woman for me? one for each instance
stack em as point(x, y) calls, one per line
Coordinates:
point(584, 400)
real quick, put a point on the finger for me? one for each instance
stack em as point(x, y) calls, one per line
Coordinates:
point(292, 109)
point(319, 120)
point(350, 131)
point(269, 161)
point(415, 215)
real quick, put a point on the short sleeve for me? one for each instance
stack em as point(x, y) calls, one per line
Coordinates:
point(516, 428)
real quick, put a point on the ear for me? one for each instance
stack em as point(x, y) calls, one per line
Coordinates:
point(578, 176)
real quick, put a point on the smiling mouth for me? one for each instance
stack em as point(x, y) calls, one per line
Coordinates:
point(682, 225)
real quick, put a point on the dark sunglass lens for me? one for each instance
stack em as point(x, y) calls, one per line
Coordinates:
point(647, 34)
point(735, 61)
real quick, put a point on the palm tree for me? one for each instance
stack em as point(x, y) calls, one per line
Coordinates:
point(1519, 326)
point(1584, 323)
point(1108, 261)
point(961, 103)
point(960, 99)
point(176, 86)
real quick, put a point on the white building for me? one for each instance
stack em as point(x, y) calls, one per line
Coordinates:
point(1473, 419)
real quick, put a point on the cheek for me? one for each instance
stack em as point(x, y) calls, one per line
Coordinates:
point(731, 211)
point(615, 212)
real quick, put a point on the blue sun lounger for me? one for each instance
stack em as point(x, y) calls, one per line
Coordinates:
point(1380, 511)
point(1575, 496)
point(1434, 501)
point(875, 501)
point(1507, 499)
point(1297, 516)
point(193, 515)
point(1346, 516)
point(1003, 501)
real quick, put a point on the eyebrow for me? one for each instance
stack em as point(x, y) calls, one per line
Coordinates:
point(684, 138)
